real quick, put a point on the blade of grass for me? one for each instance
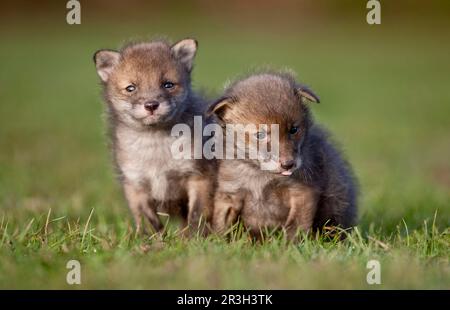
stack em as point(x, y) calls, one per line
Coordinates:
point(24, 233)
point(46, 225)
point(86, 228)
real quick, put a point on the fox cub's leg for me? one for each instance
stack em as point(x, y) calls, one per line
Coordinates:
point(227, 208)
point(303, 206)
point(140, 203)
point(200, 192)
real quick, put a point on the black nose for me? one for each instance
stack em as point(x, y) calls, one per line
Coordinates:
point(287, 164)
point(151, 105)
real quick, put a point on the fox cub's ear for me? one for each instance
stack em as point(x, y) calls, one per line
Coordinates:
point(105, 61)
point(184, 51)
point(305, 93)
point(219, 107)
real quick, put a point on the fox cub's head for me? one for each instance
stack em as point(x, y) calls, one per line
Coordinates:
point(147, 83)
point(269, 98)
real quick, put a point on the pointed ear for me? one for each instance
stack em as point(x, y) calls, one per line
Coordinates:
point(305, 93)
point(184, 51)
point(105, 61)
point(219, 107)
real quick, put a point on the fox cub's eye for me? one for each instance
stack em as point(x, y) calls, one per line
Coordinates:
point(168, 85)
point(130, 88)
point(260, 135)
point(293, 130)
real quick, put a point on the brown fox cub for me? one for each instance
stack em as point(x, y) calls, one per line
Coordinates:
point(147, 88)
point(309, 184)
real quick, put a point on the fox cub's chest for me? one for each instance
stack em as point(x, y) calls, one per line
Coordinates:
point(264, 204)
point(265, 207)
point(146, 159)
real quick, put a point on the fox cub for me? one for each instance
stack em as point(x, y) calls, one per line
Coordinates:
point(309, 184)
point(147, 89)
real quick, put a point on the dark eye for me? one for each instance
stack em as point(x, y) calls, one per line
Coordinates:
point(168, 85)
point(260, 135)
point(130, 88)
point(293, 130)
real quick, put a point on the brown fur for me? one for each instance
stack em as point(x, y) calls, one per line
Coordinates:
point(141, 136)
point(320, 189)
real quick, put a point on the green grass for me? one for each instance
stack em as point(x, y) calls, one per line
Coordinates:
point(384, 96)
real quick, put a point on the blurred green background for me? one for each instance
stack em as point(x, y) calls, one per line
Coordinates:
point(384, 90)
